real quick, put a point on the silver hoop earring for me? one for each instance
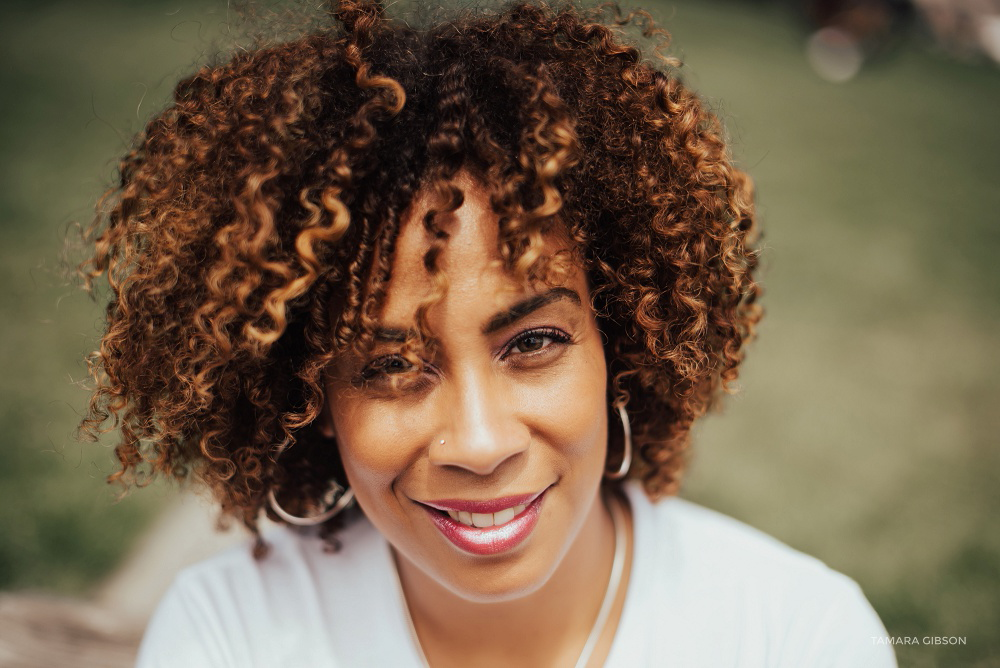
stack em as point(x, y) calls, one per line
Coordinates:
point(337, 498)
point(623, 468)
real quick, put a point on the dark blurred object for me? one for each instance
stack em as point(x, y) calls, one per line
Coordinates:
point(964, 28)
point(847, 33)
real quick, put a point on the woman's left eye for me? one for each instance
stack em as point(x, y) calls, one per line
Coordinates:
point(535, 340)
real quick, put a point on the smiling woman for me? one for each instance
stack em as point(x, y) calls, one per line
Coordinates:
point(504, 425)
point(455, 296)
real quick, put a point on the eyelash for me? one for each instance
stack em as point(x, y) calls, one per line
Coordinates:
point(376, 368)
point(556, 335)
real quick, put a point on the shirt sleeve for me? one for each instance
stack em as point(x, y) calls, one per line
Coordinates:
point(847, 634)
point(184, 632)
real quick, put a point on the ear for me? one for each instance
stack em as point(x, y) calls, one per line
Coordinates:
point(324, 423)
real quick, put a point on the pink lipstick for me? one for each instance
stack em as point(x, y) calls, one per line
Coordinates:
point(513, 518)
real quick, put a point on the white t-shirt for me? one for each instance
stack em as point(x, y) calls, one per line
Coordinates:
point(705, 590)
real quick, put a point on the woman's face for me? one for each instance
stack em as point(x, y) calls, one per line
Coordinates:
point(506, 424)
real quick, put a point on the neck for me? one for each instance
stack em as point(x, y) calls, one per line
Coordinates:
point(546, 627)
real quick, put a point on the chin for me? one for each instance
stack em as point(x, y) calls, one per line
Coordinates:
point(500, 580)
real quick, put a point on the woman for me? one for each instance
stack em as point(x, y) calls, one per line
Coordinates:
point(455, 296)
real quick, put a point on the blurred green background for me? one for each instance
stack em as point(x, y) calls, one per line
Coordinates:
point(866, 429)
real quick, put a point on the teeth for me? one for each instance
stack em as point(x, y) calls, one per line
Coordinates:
point(503, 516)
point(483, 520)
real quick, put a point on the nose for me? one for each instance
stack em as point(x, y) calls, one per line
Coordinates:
point(483, 429)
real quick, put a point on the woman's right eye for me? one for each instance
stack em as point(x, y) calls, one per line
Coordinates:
point(386, 365)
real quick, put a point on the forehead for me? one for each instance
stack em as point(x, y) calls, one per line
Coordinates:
point(470, 260)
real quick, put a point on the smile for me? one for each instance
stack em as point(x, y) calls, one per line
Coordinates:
point(486, 527)
point(483, 520)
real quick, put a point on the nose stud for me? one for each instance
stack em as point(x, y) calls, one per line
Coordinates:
point(441, 442)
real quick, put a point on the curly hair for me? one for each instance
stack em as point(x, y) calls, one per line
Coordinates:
point(249, 240)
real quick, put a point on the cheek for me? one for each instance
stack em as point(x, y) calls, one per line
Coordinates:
point(571, 411)
point(377, 443)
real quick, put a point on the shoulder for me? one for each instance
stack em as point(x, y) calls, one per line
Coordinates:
point(723, 545)
point(235, 610)
point(727, 582)
point(292, 557)
point(704, 544)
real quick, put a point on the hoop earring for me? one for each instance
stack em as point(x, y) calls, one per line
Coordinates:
point(623, 468)
point(337, 498)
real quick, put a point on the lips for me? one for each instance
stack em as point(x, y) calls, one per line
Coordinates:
point(490, 506)
point(503, 523)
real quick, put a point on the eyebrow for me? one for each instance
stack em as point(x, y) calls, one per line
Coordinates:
point(529, 305)
point(500, 320)
point(391, 335)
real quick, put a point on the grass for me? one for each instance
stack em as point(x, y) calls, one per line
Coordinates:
point(865, 429)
